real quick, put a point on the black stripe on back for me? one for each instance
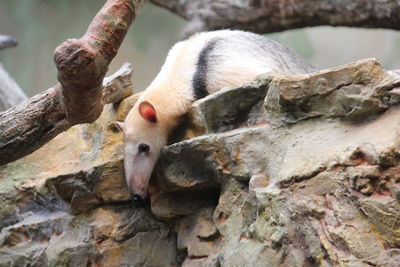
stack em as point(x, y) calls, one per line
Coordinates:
point(199, 81)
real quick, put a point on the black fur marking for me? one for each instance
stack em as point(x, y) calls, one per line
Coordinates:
point(199, 81)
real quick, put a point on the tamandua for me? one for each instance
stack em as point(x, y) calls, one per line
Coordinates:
point(194, 68)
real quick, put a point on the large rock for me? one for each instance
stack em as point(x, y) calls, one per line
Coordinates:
point(67, 204)
point(311, 180)
point(298, 170)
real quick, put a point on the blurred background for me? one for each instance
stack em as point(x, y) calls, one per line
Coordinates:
point(41, 25)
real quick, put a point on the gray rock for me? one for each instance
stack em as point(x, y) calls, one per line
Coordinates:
point(227, 109)
point(298, 170)
point(355, 92)
point(119, 85)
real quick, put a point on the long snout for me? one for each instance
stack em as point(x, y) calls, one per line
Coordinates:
point(137, 178)
point(138, 168)
point(137, 185)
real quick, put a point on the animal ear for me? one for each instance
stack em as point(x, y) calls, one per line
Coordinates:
point(147, 111)
point(120, 126)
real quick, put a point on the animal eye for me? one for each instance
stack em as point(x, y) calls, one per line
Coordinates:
point(143, 148)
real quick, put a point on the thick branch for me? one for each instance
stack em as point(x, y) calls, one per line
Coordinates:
point(28, 126)
point(271, 16)
point(10, 92)
point(82, 65)
point(7, 41)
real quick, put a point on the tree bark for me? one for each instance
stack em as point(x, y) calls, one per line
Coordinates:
point(7, 41)
point(10, 92)
point(82, 64)
point(264, 16)
point(28, 126)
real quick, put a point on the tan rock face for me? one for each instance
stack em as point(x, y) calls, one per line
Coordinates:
point(287, 171)
point(67, 204)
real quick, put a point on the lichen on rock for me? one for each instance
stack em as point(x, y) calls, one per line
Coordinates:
point(298, 170)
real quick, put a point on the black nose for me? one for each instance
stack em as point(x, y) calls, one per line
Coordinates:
point(137, 200)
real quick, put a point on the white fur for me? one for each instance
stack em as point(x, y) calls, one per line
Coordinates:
point(239, 57)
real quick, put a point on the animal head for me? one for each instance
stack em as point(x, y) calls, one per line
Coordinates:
point(144, 138)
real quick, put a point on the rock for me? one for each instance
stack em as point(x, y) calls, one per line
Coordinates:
point(227, 109)
point(298, 170)
point(295, 191)
point(119, 85)
point(384, 213)
point(109, 184)
point(198, 234)
point(125, 106)
point(177, 204)
point(338, 92)
point(67, 205)
point(207, 161)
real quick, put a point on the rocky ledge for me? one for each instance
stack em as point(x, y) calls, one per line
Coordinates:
point(299, 170)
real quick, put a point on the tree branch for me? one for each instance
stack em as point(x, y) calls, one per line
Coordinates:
point(264, 16)
point(28, 126)
point(82, 63)
point(10, 92)
point(81, 66)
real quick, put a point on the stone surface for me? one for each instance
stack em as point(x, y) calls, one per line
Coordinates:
point(119, 85)
point(296, 170)
point(67, 205)
point(125, 106)
point(354, 92)
point(227, 109)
